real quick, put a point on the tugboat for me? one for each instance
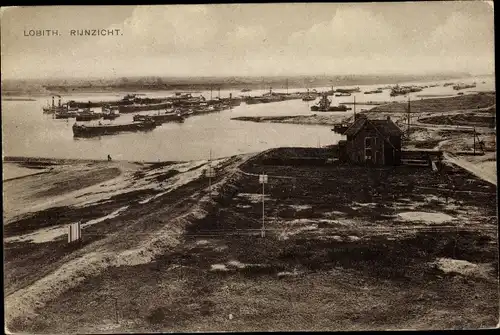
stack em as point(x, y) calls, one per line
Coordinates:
point(52, 109)
point(110, 116)
point(110, 112)
point(324, 106)
point(88, 115)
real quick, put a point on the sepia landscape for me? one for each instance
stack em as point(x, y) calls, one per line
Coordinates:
point(253, 167)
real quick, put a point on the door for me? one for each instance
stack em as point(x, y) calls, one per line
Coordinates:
point(378, 158)
point(368, 149)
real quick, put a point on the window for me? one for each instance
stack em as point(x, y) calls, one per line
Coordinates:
point(368, 142)
point(368, 148)
point(368, 154)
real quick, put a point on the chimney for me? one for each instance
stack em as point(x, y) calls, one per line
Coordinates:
point(52, 101)
point(388, 118)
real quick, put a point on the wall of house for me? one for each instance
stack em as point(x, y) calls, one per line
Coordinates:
point(356, 146)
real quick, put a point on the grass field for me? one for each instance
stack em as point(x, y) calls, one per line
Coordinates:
point(346, 248)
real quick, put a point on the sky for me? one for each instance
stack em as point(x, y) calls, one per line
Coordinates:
point(250, 39)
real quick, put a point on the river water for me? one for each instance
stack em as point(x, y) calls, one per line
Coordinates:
point(26, 131)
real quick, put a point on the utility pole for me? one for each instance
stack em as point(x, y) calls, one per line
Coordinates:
point(210, 92)
point(408, 116)
point(474, 141)
point(210, 173)
point(287, 86)
point(354, 108)
point(263, 181)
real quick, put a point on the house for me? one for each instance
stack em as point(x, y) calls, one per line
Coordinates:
point(373, 142)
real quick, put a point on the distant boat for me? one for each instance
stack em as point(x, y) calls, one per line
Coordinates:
point(108, 129)
point(160, 118)
point(308, 98)
point(110, 116)
point(246, 90)
point(463, 86)
point(88, 115)
point(343, 95)
point(65, 114)
point(374, 92)
point(348, 90)
point(324, 106)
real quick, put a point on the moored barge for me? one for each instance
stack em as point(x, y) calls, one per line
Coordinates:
point(108, 129)
point(160, 118)
point(139, 108)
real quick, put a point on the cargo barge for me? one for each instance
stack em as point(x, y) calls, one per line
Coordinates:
point(108, 129)
point(139, 108)
point(129, 99)
point(65, 114)
point(160, 118)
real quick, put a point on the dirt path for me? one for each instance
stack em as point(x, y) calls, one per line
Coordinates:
point(147, 230)
point(488, 176)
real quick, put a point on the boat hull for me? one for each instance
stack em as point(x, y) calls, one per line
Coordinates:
point(88, 117)
point(160, 119)
point(140, 108)
point(110, 116)
point(93, 131)
point(330, 109)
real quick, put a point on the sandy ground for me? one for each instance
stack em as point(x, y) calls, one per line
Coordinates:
point(344, 249)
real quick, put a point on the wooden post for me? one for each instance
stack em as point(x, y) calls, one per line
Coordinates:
point(354, 108)
point(408, 117)
point(474, 140)
point(263, 216)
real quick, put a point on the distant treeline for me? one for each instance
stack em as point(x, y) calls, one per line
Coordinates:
point(207, 83)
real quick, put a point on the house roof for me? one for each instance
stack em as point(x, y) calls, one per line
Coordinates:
point(384, 127)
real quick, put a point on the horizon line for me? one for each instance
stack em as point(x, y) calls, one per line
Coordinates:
point(465, 73)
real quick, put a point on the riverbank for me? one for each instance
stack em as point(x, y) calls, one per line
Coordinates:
point(326, 119)
point(38, 86)
point(161, 253)
point(483, 102)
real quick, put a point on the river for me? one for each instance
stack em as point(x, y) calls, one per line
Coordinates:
point(30, 133)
